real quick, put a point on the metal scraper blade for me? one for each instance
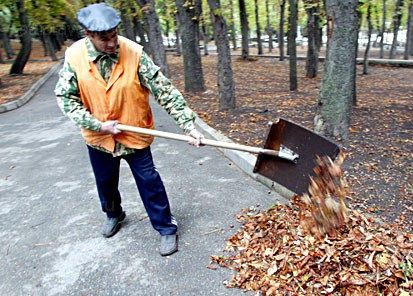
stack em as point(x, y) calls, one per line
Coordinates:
point(304, 142)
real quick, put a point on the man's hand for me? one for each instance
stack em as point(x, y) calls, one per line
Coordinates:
point(197, 138)
point(109, 127)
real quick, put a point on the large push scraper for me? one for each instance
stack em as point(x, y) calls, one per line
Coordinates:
point(287, 157)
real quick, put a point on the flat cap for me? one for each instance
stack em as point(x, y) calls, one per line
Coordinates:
point(98, 17)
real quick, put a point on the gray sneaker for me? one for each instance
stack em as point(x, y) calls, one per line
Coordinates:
point(169, 244)
point(112, 225)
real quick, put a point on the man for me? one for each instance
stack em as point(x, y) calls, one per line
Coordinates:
point(106, 79)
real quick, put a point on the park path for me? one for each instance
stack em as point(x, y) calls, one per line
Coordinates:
point(50, 218)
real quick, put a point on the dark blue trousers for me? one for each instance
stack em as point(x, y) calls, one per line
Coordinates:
point(148, 181)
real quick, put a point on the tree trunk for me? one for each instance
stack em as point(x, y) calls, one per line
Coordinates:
point(409, 35)
point(313, 12)
point(281, 30)
point(233, 31)
point(225, 76)
point(55, 41)
point(336, 93)
point(127, 26)
point(140, 31)
point(205, 38)
point(397, 17)
point(49, 46)
point(292, 46)
point(244, 29)
point(354, 85)
point(1, 57)
point(188, 17)
point(383, 30)
point(369, 31)
point(168, 29)
point(155, 34)
point(41, 36)
point(257, 24)
point(269, 28)
point(6, 45)
point(177, 37)
point(25, 40)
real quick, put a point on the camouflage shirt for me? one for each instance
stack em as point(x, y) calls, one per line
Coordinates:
point(68, 96)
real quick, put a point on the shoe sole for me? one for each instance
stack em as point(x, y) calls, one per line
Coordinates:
point(117, 227)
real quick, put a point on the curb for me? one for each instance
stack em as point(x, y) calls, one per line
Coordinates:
point(30, 93)
point(244, 160)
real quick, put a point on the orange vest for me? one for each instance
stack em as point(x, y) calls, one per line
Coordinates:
point(122, 98)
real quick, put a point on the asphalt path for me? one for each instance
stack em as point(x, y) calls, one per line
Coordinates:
point(50, 218)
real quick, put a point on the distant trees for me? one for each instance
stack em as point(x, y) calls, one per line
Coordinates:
point(154, 34)
point(189, 16)
point(257, 27)
point(25, 40)
point(409, 35)
point(312, 8)
point(182, 23)
point(292, 46)
point(397, 17)
point(369, 31)
point(244, 29)
point(281, 29)
point(225, 76)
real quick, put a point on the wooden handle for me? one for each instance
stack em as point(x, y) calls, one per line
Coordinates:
point(206, 142)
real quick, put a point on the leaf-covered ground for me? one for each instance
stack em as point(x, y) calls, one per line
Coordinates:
point(380, 149)
point(13, 87)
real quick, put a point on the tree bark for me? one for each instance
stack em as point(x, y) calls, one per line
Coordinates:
point(155, 34)
point(233, 31)
point(205, 39)
point(41, 36)
point(409, 35)
point(1, 58)
point(258, 29)
point(188, 17)
point(336, 93)
point(369, 31)
point(313, 12)
point(269, 28)
point(25, 40)
point(140, 32)
point(168, 29)
point(354, 85)
point(226, 86)
point(6, 45)
point(177, 37)
point(244, 29)
point(127, 26)
point(383, 30)
point(397, 17)
point(292, 46)
point(49, 46)
point(55, 41)
point(281, 30)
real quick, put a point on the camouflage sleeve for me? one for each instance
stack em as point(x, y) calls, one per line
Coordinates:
point(68, 99)
point(165, 93)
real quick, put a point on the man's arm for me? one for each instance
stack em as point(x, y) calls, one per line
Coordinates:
point(166, 94)
point(68, 99)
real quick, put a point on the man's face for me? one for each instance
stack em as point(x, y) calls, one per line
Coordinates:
point(106, 43)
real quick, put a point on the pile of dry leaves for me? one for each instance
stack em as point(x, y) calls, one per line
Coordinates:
point(316, 246)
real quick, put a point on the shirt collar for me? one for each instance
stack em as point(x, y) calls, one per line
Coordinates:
point(95, 55)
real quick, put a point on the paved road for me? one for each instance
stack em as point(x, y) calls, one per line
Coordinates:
point(50, 220)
